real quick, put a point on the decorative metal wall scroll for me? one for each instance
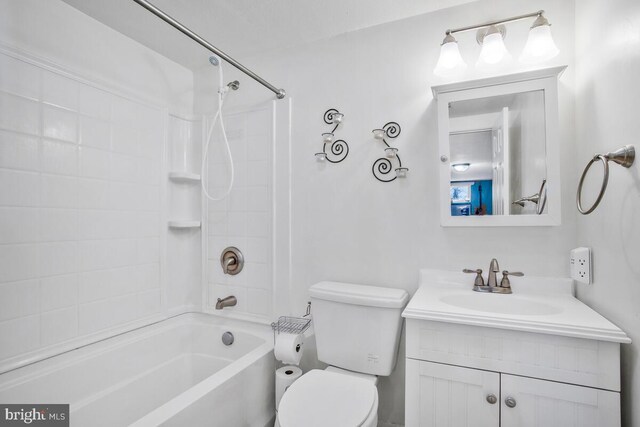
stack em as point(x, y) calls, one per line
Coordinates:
point(383, 166)
point(338, 148)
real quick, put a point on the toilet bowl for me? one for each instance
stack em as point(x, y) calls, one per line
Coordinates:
point(330, 397)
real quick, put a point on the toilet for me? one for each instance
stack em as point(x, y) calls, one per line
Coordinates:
point(357, 330)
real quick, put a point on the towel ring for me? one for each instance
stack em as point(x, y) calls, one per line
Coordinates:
point(623, 156)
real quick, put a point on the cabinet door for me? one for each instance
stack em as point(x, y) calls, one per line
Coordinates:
point(440, 395)
point(546, 403)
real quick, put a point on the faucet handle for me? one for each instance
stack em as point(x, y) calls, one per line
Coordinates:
point(479, 280)
point(505, 283)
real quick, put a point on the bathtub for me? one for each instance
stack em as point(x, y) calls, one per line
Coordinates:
point(175, 373)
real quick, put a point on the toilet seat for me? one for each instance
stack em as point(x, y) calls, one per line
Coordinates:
point(324, 398)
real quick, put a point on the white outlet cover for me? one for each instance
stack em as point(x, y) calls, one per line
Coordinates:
point(580, 264)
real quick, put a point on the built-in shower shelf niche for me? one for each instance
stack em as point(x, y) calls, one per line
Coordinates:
point(184, 224)
point(184, 177)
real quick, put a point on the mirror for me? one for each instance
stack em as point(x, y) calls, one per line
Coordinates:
point(497, 154)
point(498, 150)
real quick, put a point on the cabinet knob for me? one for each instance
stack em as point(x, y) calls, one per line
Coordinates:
point(491, 398)
point(510, 402)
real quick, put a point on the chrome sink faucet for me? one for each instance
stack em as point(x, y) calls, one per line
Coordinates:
point(492, 283)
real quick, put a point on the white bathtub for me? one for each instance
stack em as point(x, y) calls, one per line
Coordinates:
point(175, 373)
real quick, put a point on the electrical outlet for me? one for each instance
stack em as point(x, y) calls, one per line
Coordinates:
point(580, 263)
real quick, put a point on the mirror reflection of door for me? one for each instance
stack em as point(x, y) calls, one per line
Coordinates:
point(497, 152)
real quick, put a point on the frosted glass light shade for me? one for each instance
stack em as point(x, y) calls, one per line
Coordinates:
point(493, 50)
point(540, 46)
point(450, 62)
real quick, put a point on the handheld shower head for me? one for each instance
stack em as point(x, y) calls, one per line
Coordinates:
point(214, 60)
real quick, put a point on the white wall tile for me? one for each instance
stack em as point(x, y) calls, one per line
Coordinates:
point(19, 78)
point(59, 157)
point(125, 140)
point(148, 250)
point(123, 168)
point(148, 276)
point(258, 199)
point(100, 284)
point(58, 258)
point(107, 313)
point(19, 114)
point(18, 225)
point(19, 336)
point(59, 325)
point(59, 91)
point(18, 262)
point(59, 124)
point(58, 292)
point(80, 208)
point(258, 224)
point(58, 225)
point(94, 102)
point(95, 133)
point(58, 191)
point(259, 302)
point(18, 151)
point(148, 302)
point(258, 275)
point(19, 299)
point(94, 163)
point(93, 194)
point(258, 249)
point(19, 188)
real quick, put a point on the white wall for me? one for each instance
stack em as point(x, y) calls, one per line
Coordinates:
point(346, 225)
point(83, 119)
point(607, 101)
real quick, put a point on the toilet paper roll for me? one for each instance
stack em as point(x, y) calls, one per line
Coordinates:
point(285, 376)
point(288, 348)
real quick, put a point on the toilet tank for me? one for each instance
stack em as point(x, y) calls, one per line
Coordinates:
point(357, 327)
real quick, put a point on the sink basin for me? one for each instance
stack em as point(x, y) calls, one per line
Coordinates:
point(500, 304)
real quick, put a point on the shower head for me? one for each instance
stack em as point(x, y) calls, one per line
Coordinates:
point(214, 60)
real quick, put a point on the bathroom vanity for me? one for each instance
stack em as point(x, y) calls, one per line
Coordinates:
point(537, 357)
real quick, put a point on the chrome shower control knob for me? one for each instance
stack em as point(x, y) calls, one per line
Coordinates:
point(510, 402)
point(492, 399)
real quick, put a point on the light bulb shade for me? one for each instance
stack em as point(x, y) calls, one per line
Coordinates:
point(450, 62)
point(540, 46)
point(460, 167)
point(493, 50)
point(379, 133)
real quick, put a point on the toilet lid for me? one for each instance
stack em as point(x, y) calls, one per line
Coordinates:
point(322, 398)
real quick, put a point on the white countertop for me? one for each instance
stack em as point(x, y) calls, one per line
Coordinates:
point(537, 304)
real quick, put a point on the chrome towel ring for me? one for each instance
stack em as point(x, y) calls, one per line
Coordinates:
point(623, 156)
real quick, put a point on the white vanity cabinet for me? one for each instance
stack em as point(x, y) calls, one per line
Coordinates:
point(445, 395)
point(530, 359)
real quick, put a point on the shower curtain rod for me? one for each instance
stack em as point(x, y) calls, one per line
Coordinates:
point(280, 93)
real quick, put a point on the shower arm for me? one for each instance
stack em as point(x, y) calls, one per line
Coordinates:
point(280, 93)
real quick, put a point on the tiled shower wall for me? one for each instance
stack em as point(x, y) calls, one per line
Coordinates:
point(79, 208)
point(244, 219)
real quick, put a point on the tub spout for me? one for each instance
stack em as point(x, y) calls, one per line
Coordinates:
point(229, 301)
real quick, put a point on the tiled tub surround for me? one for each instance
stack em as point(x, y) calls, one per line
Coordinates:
point(80, 201)
point(177, 373)
point(244, 219)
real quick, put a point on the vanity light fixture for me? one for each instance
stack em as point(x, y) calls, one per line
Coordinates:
point(460, 167)
point(540, 46)
point(382, 167)
point(450, 61)
point(338, 148)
